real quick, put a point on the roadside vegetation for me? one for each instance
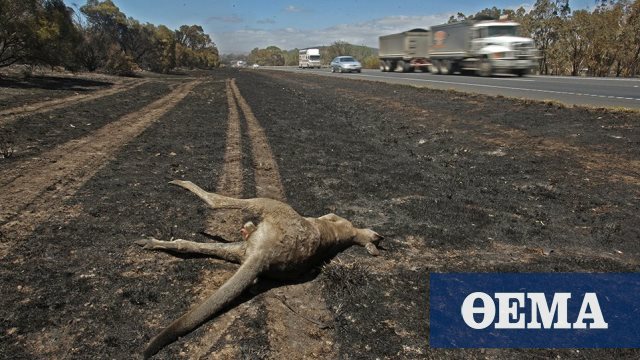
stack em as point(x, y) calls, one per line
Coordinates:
point(97, 36)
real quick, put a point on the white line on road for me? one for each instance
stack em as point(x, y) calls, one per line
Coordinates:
point(486, 86)
point(586, 78)
point(512, 79)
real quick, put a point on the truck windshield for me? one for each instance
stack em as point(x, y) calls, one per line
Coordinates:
point(503, 31)
point(314, 57)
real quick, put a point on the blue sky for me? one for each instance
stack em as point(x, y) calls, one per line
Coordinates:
point(239, 26)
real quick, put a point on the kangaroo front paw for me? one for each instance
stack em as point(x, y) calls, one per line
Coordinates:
point(372, 249)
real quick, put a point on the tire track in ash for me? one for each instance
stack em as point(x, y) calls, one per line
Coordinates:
point(45, 183)
point(223, 223)
point(290, 335)
point(9, 115)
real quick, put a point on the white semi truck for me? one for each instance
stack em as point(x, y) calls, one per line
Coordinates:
point(484, 47)
point(309, 58)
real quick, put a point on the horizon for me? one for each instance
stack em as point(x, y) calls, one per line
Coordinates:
point(238, 27)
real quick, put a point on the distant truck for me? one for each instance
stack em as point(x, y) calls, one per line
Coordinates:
point(484, 47)
point(309, 59)
point(406, 51)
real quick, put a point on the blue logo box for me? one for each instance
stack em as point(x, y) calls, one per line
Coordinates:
point(534, 310)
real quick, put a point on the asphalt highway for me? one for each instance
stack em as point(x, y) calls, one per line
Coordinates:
point(586, 91)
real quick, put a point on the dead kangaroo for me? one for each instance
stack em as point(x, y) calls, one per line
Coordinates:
point(282, 245)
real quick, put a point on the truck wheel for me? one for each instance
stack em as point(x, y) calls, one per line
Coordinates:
point(400, 66)
point(520, 72)
point(444, 67)
point(484, 68)
point(456, 67)
point(383, 67)
point(435, 67)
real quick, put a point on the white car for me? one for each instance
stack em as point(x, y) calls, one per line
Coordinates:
point(255, 66)
point(345, 64)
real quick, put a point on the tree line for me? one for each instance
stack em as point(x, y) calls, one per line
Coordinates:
point(97, 37)
point(274, 56)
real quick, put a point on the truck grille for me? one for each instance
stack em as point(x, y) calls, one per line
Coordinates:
point(523, 50)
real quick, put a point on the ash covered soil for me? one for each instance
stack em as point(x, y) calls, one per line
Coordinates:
point(455, 183)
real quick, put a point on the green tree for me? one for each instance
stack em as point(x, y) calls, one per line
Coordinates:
point(575, 40)
point(106, 27)
point(338, 48)
point(106, 18)
point(37, 32)
point(195, 49)
point(270, 56)
point(57, 36)
point(18, 27)
point(606, 40)
point(361, 53)
point(291, 57)
point(631, 31)
point(459, 17)
point(543, 24)
point(166, 49)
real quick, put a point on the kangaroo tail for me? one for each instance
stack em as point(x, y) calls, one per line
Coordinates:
point(230, 290)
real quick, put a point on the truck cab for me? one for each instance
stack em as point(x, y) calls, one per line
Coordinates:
point(484, 47)
point(495, 46)
point(309, 58)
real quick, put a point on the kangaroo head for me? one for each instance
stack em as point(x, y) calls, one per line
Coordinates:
point(369, 239)
point(363, 237)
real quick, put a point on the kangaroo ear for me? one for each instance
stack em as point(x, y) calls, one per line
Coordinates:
point(372, 249)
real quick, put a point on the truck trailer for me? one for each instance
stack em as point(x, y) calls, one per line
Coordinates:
point(481, 47)
point(406, 51)
point(309, 58)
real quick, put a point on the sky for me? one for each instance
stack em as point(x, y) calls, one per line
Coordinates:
point(239, 26)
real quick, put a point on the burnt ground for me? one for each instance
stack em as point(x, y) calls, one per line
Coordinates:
point(32, 134)
point(455, 182)
point(17, 90)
